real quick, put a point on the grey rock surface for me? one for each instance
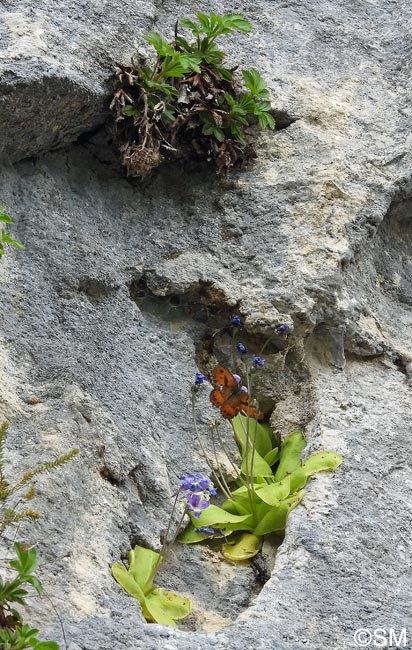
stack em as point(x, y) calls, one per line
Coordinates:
point(108, 314)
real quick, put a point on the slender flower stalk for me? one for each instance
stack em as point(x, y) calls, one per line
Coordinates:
point(227, 491)
point(249, 480)
point(201, 445)
point(280, 329)
point(195, 491)
point(165, 546)
point(228, 455)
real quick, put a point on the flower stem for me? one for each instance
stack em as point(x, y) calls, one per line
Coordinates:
point(163, 550)
point(226, 487)
point(201, 445)
point(228, 456)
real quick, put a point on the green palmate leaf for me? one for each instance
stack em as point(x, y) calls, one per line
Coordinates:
point(243, 549)
point(237, 134)
point(214, 57)
point(172, 67)
point(212, 129)
point(160, 44)
point(206, 24)
point(276, 492)
point(24, 637)
point(161, 86)
point(248, 103)
point(321, 461)
point(215, 25)
point(191, 61)
point(129, 584)
point(236, 116)
point(266, 120)
point(6, 239)
point(213, 516)
point(189, 24)
point(35, 582)
point(3, 216)
point(237, 21)
point(222, 72)
point(262, 106)
point(166, 607)
point(142, 565)
point(27, 559)
point(275, 519)
point(228, 97)
point(184, 44)
point(255, 83)
point(130, 110)
point(290, 454)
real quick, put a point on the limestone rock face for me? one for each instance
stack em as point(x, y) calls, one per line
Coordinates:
point(109, 312)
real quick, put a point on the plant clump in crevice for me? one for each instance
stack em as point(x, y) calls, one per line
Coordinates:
point(187, 103)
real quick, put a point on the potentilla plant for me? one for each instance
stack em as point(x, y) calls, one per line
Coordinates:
point(270, 478)
point(159, 605)
point(186, 101)
point(5, 237)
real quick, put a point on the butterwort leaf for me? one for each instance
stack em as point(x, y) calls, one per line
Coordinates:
point(166, 607)
point(243, 549)
point(290, 454)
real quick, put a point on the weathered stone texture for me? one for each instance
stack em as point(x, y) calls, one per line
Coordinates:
point(103, 315)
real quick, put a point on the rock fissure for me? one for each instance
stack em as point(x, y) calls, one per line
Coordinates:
point(315, 234)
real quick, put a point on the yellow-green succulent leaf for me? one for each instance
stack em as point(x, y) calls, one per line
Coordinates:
point(290, 454)
point(243, 549)
point(129, 584)
point(321, 461)
point(166, 607)
point(275, 492)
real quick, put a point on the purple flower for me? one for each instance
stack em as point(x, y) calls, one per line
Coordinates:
point(258, 361)
point(206, 530)
point(193, 483)
point(282, 328)
point(197, 502)
point(186, 480)
point(199, 378)
point(242, 349)
point(237, 377)
point(236, 322)
point(244, 388)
